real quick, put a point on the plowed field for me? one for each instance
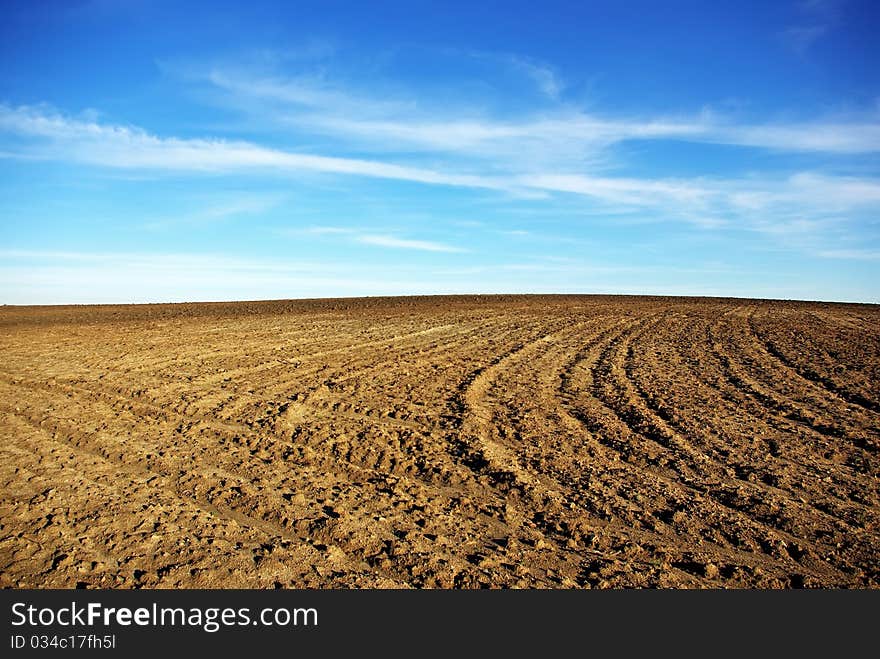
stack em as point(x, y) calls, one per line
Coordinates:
point(447, 442)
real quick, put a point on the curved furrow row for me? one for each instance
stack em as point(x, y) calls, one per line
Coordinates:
point(596, 500)
point(274, 362)
point(538, 501)
point(343, 384)
point(731, 398)
point(259, 339)
point(332, 379)
point(613, 387)
point(809, 370)
point(779, 485)
point(192, 407)
point(807, 394)
point(836, 439)
point(749, 437)
point(473, 444)
point(746, 372)
point(839, 343)
point(688, 500)
point(617, 513)
point(186, 378)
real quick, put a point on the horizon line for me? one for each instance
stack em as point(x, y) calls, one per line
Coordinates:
point(436, 295)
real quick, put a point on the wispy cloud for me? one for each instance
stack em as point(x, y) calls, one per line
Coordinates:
point(758, 203)
point(166, 261)
point(820, 137)
point(702, 201)
point(64, 138)
point(580, 133)
point(241, 205)
point(299, 92)
point(403, 243)
point(800, 38)
point(544, 77)
point(560, 133)
point(374, 239)
point(217, 210)
point(816, 19)
point(851, 254)
point(618, 190)
point(324, 230)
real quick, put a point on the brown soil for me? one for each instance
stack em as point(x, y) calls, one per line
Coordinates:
point(463, 442)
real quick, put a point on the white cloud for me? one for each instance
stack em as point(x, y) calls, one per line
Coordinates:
point(817, 18)
point(819, 137)
point(402, 243)
point(225, 207)
point(564, 134)
point(173, 262)
point(800, 38)
point(132, 148)
point(759, 203)
point(851, 254)
point(373, 239)
point(324, 230)
point(836, 191)
point(618, 190)
point(305, 91)
point(574, 134)
point(701, 201)
point(542, 75)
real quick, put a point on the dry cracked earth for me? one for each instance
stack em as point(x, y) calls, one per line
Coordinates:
point(441, 442)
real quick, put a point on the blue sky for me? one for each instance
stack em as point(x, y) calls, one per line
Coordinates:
point(165, 151)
